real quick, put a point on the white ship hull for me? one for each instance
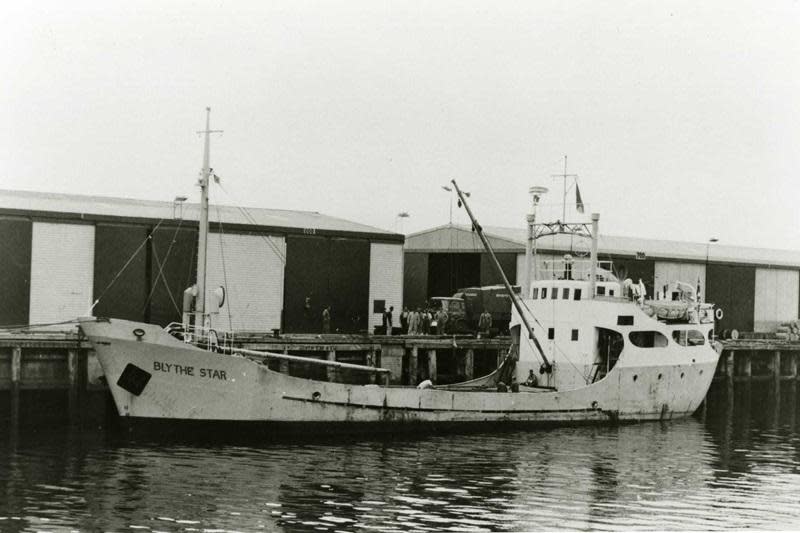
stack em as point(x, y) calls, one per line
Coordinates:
point(183, 382)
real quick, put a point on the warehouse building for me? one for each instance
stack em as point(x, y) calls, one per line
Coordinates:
point(756, 288)
point(132, 259)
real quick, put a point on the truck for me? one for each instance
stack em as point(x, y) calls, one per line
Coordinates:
point(464, 308)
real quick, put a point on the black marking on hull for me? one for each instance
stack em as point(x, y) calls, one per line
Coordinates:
point(134, 379)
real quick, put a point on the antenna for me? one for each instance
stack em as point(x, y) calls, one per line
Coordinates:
point(565, 176)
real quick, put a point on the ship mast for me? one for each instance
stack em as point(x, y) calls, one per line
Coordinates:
point(202, 243)
point(547, 367)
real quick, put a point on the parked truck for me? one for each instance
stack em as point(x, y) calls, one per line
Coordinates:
point(464, 308)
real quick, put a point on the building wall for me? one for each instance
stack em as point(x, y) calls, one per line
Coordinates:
point(386, 280)
point(120, 271)
point(15, 270)
point(542, 262)
point(251, 268)
point(62, 271)
point(776, 296)
point(691, 273)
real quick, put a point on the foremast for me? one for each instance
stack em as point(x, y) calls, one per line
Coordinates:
point(546, 366)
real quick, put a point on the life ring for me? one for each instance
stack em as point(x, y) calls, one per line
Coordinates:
point(718, 313)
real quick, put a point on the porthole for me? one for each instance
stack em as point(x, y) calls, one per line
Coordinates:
point(701, 372)
point(681, 375)
point(660, 376)
point(635, 377)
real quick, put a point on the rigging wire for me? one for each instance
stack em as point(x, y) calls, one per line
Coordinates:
point(224, 269)
point(161, 270)
point(250, 218)
point(128, 262)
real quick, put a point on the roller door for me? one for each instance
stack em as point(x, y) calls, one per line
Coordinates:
point(449, 272)
point(120, 271)
point(489, 275)
point(349, 284)
point(415, 279)
point(173, 268)
point(732, 289)
point(669, 271)
point(62, 271)
point(387, 279)
point(776, 295)
point(251, 268)
point(15, 271)
point(323, 271)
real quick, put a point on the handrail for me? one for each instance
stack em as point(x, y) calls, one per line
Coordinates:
point(297, 359)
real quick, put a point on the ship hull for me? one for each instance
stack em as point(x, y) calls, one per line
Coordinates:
point(154, 377)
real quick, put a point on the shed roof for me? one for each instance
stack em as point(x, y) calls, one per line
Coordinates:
point(439, 239)
point(91, 207)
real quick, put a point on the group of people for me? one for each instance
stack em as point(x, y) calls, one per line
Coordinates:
point(420, 321)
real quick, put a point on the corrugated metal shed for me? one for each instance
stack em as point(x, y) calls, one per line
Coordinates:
point(31, 203)
point(461, 239)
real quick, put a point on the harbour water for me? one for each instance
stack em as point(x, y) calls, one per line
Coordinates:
point(737, 466)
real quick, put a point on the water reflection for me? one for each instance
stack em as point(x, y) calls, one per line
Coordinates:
point(737, 468)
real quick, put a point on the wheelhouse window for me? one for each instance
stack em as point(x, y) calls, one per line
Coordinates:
point(576, 294)
point(535, 293)
point(688, 337)
point(647, 339)
point(574, 334)
point(601, 291)
point(544, 292)
point(551, 333)
point(565, 294)
point(624, 320)
point(554, 293)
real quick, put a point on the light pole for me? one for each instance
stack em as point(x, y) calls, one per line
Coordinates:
point(450, 190)
point(708, 246)
point(399, 220)
point(536, 193)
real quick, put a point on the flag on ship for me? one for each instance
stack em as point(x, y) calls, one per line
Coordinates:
point(578, 199)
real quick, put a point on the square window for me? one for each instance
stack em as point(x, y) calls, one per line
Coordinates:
point(551, 333)
point(544, 292)
point(574, 334)
point(601, 291)
point(577, 294)
point(611, 292)
point(565, 294)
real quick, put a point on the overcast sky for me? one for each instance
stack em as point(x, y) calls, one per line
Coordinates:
point(681, 119)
